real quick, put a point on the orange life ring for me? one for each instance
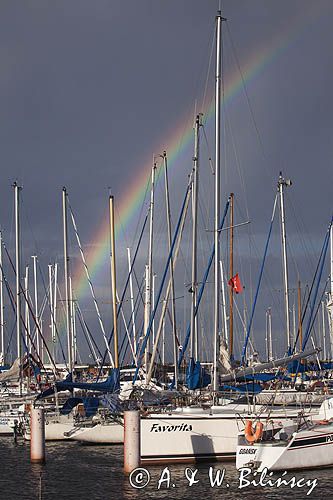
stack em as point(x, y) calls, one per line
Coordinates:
point(252, 436)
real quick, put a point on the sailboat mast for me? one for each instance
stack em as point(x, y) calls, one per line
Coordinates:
point(132, 301)
point(149, 272)
point(26, 312)
point(224, 308)
point(299, 307)
point(34, 258)
point(330, 295)
point(323, 329)
point(217, 193)
point(172, 281)
point(194, 324)
point(72, 319)
point(281, 184)
point(231, 273)
point(54, 311)
point(2, 308)
point(114, 282)
point(66, 271)
point(51, 291)
point(17, 190)
point(331, 247)
point(270, 334)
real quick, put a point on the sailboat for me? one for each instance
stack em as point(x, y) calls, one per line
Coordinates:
point(189, 434)
point(302, 444)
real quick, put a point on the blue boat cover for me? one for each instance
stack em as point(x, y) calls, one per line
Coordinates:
point(262, 377)
point(69, 404)
point(196, 376)
point(90, 405)
point(244, 388)
point(111, 384)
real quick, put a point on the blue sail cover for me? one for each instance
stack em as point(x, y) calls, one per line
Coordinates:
point(262, 377)
point(296, 366)
point(244, 388)
point(196, 376)
point(111, 384)
point(69, 404)
point(327, 366)
point(90, 405)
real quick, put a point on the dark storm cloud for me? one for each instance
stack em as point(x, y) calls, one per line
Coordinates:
point(90, 88)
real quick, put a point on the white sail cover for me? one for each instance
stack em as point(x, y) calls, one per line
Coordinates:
point(13, 374)
point(224, 358)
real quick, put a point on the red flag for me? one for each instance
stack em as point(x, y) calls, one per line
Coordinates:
point(236, 284)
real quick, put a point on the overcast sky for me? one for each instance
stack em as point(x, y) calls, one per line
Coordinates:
point(91, 89)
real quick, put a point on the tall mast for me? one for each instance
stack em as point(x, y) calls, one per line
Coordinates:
point(73, 326)
point(2, 307)
point(17, 190)
point(51, 291)
point(269, 345)
point(299, 307)
point(331, 246)
point(153, 304)
point(172, 281)
point(194, 323)
point(54, 311)
point(34, 258)
point(281, 184)
point(323, 329)
point(149, 272)
point(26, 312)
point(217, 193)
point(266, 337)
point(270, 334)
point(132, 301)
point(114, 282)
point(146, 313)
point(231, 273)
point(224, 309)
point(330, 295)
point(66, 271)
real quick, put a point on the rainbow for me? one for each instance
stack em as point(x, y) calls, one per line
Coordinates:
point(130, 200)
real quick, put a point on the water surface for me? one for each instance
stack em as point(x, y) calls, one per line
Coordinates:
point(81, 472)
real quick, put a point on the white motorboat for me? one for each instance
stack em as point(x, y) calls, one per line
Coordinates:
point(295, 445)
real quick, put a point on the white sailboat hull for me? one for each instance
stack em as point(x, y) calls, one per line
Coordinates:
point(190, 437)
point(110, 433)
point(306, 450)
point(291, 448)
point(55, 428)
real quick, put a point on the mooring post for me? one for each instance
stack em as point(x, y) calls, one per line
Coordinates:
point(37, 435)
point(132, 440)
